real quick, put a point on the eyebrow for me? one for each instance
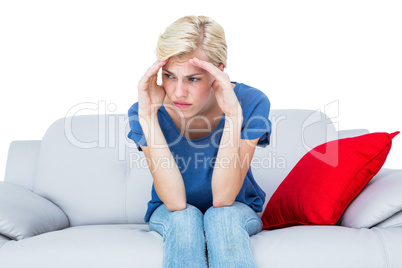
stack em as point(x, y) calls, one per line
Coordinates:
point(186, 75)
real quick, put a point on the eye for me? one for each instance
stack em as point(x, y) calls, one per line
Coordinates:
point(167, 76)
point(196, 79)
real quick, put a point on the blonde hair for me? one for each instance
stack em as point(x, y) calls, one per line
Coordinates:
point(199, 34)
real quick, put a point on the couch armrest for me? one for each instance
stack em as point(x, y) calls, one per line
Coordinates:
point(392, 222)
point(24, 213)
point(22, 153)
point(379, 200)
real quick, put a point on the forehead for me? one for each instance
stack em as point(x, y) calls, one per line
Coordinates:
point(182, 65)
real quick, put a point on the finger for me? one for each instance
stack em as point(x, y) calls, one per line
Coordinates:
point(156, 66)
point(216, 72)
point(153, 70)
point(159, 64)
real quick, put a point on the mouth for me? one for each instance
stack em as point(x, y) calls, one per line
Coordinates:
point(182, 105)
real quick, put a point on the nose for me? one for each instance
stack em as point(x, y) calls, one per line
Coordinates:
point(180, 91)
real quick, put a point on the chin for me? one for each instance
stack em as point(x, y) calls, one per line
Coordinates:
point(184, 114)
point(180, 112)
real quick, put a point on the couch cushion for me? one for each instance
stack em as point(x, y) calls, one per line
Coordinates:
point(327, 246)
point(120, 245)
point(326, 180)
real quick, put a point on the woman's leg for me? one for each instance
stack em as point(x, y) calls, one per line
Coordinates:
point(183, 236)
point(227, 231)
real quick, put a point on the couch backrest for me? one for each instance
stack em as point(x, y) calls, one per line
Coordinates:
point(96, 175)
point(294, 133)
point(80, 171)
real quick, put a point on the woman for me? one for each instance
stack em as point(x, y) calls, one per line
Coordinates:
point(198, 131)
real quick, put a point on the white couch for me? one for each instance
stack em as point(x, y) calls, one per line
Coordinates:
point(78, 197)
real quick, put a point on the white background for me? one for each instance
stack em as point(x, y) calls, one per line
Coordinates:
point(302, 54)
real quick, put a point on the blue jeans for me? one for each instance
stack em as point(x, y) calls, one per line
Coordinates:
point(224, 231)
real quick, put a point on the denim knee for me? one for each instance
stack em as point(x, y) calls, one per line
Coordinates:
point(219, 214)
point(238, 214)
point(183, 236)
point(165, 221)
point(186, 228)
point(190, 217)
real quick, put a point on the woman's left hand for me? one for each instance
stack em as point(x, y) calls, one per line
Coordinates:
point(224, 93)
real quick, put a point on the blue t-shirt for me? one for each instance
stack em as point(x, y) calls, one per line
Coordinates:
point(196, 157)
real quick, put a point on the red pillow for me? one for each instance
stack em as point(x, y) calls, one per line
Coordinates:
point(325, 180)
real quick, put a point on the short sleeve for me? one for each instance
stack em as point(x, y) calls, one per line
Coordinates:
point(136, 133)
point(255, 118)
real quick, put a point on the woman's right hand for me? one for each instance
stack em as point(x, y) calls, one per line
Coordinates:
point(150, 94)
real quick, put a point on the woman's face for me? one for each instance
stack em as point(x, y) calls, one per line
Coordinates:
point(186, 83)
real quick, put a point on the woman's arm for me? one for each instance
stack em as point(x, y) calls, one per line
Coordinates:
point(232, 163)
point(234, 155)
point(227, 178)
point(168, 182)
